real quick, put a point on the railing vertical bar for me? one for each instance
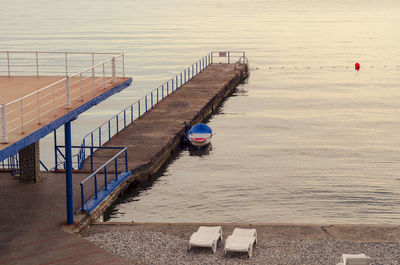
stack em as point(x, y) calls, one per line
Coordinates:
point(80, 85)
point(162, 92)
point(139, 109)
point(68, 92)
point(22, 115)
point(99, 136)
point(167, 89)
point(145, 103)
point(124, 118)
point(116, 120)
point(55, 150)
point(109, 130)
point(105, 178)
point(176, 82)
point(157, 94)
point(116, 168)
point(126, 159)
point(66, 64)
point(104, 77)
point(8, 63)
point(91, 153)
point(229, 57)
point(152, 99)
point(131, 113)
point(38, 107)
point(95, 185)
point(37, 65)
point(172, 85)
point(181, 79)
point(82, 198)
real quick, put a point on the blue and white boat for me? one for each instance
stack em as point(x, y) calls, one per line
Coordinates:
point(200, 135)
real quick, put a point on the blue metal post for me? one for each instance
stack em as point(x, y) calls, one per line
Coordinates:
point(105, 178)
point(151, 99)
point(131, 114)
point(184, 76)
point(138, 109)
point(172, 84)
point(99, 136)
point(95, 186)
point(116, 168)
point(68, 173)
point(55, 150)
point(212, 57)
point(157, 94)
point(162, 91)
point(124, 118)
point(126, 160)
point(116, 121)
point(167, 89)
point(197, 69)
point(91, 154)
point(145, 102)
point(109, 130)
point(82, 197)
point(181, 78)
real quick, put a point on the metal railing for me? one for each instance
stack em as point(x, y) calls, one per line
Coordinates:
point(109, 172)
point(11, 164)
point(17, 114)
point(127, 116)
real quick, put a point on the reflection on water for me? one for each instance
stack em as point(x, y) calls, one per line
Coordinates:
point(200, 151)
point(306, 139)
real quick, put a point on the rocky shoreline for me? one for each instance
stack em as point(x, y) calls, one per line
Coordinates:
point(278, 244)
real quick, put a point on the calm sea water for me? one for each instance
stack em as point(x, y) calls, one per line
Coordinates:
point(306, 139)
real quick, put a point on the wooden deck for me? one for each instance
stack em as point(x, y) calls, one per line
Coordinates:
point(13, 88)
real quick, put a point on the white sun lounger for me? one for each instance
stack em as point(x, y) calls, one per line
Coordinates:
point(355, 259)
point(241, 240)
point(206, 236)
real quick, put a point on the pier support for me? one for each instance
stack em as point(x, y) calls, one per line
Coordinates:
point(68, 173)
point(29, 163)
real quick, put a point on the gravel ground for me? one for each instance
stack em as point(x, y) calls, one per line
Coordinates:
point(155, 247)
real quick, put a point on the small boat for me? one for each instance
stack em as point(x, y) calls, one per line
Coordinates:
point(200, 135)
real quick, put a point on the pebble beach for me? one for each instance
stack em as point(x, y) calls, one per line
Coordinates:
point(277, 244)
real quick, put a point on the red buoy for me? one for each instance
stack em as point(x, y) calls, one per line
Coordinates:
point(357, 66)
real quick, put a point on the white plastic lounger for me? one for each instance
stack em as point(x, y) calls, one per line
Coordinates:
point(241, 240)
point(206, 236)
point(355, 259)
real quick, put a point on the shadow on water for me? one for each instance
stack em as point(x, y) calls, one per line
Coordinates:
point(134, 190)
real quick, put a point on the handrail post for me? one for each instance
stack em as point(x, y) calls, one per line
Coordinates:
point(229, 57)
point(4, 138)
point(167, 89)
point(152, 99)
point(116, 121)
point(126, 159)
point(176, 82)
point(113, 69)
point(212, 57)
point(116, 168)
point(124, 119)
point(139, 109)
point(109, 130)
point(162, 91)
point(82, 198)
point(100, 136)
point(22, 115)
point(66, 64)
point(184, 76)
point(55, 151)
point(8, 63)
point(181, 79)
point(37, 65)
point(145, 103)
point(68, 93)
point(105, 178)
point(244, 58)
point(95, 185)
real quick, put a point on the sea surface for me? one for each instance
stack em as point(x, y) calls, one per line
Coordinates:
point(306, 139)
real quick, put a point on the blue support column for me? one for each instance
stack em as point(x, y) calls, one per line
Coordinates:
point(68, 173)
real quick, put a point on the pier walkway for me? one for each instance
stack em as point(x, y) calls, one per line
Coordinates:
point(33, 228)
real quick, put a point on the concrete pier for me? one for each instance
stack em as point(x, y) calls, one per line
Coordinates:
point(153, 138)
point(29, 163)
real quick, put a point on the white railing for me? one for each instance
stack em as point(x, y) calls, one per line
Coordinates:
point(15, 115)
